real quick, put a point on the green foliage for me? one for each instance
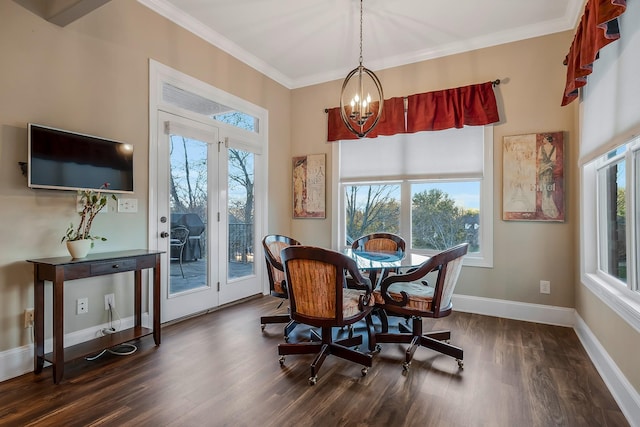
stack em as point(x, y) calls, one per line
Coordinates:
point(437, 223)
point(92, 203)
point(621, 206)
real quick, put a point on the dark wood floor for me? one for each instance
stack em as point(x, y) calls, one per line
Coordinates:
point(219, 369)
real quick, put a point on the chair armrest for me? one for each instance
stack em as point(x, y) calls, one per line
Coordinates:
point(414, 274)
point(357, 281)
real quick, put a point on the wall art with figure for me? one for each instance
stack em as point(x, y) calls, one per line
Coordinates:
point(309, 186)
point(533, 177)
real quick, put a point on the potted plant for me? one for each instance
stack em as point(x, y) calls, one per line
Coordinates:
point(79, 239)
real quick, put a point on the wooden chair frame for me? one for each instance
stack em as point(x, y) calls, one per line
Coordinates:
point(293, 257)
point(368, 242)
point(274, 264)
point(437, 340)
point(378, 242)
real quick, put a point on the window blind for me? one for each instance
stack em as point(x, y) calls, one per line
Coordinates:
point(447, 153)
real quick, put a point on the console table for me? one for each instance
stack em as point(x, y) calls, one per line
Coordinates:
point(58, 270)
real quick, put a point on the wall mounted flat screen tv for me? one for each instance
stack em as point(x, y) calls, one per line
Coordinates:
point(64, 160)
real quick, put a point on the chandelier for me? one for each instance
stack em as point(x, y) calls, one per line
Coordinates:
point(359, 112)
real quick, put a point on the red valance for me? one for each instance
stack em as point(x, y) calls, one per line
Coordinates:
point(473, 105)
point(597, 28)
point(391, 121)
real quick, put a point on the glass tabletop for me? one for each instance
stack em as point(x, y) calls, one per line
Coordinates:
point(384, 260)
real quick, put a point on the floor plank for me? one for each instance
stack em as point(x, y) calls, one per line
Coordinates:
point(219, 369)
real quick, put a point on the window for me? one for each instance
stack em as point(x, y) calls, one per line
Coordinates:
point(420, 187)
point(612, 245)
point(370, 208)
point(193, 102)
point(616, 209)
point(609, 228)
point(444, 214)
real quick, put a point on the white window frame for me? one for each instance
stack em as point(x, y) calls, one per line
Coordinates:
point(623, 298)
point(483, 258)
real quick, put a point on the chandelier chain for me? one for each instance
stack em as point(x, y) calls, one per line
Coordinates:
point(361, 32)
point(361, 113)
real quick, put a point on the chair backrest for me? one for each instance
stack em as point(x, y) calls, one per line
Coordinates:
point(272, 245)
point(316, 280)
point(447, 265)
point(379, 242)
point(179, 236)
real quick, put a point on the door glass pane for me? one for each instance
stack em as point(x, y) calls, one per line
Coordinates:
point(371, 209)
point(241, 213)
point(444, 214)
point(188, 206)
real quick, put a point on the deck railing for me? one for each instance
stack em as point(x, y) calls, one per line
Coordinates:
point(241, 242)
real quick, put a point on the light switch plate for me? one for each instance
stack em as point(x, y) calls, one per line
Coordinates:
point(127, 205)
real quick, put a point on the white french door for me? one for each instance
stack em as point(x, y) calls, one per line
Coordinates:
point(188, 188)
point(241, 230)
point(207, 192)
point(206, 220)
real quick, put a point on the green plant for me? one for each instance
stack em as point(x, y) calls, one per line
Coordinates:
point(92, 203)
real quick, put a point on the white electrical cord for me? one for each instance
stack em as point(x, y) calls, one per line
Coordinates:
point(111, 330)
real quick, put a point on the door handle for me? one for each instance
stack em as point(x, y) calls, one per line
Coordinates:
point(164, 234)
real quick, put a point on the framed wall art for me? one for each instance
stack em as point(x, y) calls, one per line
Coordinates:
point(309, 174)
point(533, 177)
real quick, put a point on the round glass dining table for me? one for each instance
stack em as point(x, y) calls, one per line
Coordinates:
point(378, 264)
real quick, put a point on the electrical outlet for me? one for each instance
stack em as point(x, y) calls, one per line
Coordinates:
point(28, 318)
point(82, 305)
point(545, 287)
point(109, 300)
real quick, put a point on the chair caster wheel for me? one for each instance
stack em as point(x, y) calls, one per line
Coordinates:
point(286, 338)
point(405, 366)
point(460, 363)
point(313, 380)
point(364, 371)
point(262, 327)
point(281, 360)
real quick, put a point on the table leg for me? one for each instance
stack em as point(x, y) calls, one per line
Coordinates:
point(58, 325)
point(38, 321)
point(137, 298)
point(156, 301)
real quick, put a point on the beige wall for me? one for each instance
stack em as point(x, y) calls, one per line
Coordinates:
point(92, 77)
point(529, 99)
point(609, 115)
point(616, 335)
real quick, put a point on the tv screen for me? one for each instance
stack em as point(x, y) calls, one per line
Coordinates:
point(65, 160)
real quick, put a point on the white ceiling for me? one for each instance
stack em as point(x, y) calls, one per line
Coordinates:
point(304, 42)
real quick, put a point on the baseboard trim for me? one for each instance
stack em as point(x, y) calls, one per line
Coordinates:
point(623, 392)
point(538, 313)
point(18, 361)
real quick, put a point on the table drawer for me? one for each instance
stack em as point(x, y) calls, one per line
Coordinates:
point(112, 266)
